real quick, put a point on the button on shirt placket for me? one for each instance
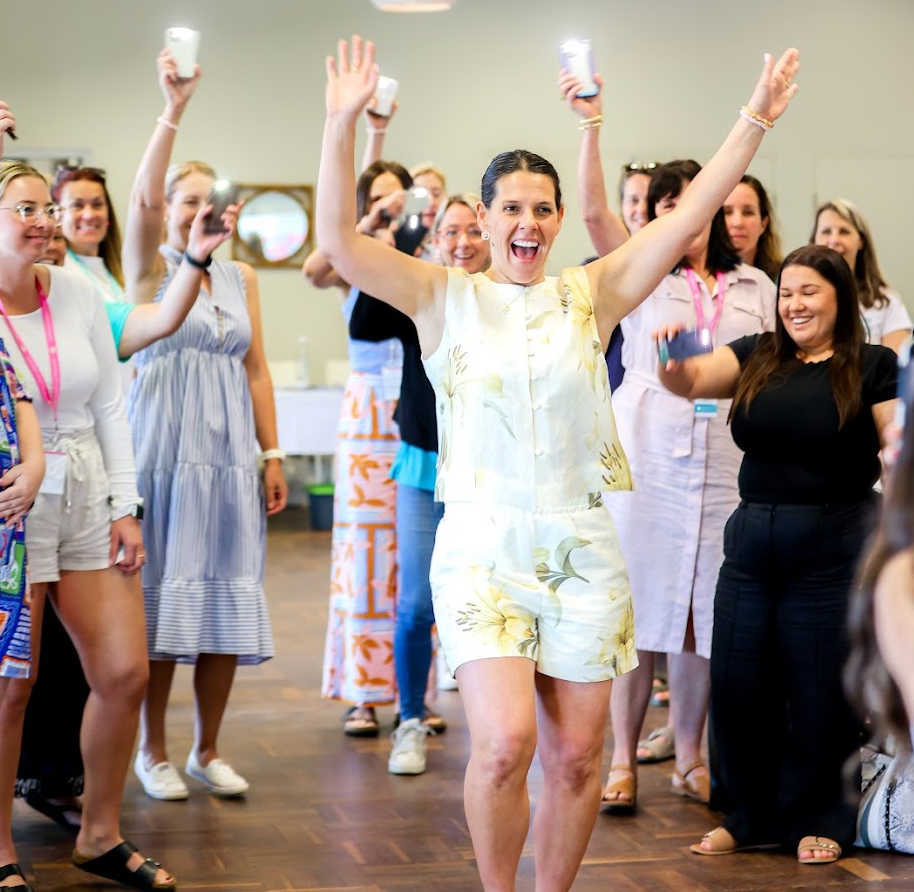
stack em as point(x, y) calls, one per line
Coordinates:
point(538, 382)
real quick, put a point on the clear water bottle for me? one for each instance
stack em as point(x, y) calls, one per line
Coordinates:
point(302, 374)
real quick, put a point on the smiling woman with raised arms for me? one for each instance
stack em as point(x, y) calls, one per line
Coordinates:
point(530, 592)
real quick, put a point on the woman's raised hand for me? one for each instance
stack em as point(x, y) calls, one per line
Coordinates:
point(7, 123)
point(775, 87)
point(584, 107)
point(201, 244)
point(177, 90)
point(351, 78)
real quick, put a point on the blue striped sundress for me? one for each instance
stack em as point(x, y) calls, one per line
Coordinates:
point(205, 524)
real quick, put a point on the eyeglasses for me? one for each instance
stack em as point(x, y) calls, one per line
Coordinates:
point(640, 167)
point(452, 234)
point(32, 213)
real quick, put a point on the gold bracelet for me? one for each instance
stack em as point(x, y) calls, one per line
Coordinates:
point(755, 118)
point(590, 123)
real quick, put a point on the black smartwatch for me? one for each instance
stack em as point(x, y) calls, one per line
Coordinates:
point(136, 510)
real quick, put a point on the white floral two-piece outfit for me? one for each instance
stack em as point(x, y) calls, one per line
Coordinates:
point(526, 560)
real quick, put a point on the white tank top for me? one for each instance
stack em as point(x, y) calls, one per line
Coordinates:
point(522, 395)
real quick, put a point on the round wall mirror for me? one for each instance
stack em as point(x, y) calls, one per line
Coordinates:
point(274, 228)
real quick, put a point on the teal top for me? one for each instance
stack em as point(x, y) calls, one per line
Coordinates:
point(415, 467)
point(117, 318)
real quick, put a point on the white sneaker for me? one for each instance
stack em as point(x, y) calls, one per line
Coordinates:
point(162, 781)
point(218, 775)
point(408, 753)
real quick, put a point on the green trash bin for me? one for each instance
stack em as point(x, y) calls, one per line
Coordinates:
point(320, 504)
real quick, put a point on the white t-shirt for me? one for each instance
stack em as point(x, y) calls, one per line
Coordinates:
point(90, 383)
point(94, 269)
point(880, 321)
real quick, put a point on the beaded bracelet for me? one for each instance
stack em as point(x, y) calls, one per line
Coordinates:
point(590, 123)
point(166, 123)
point(753, 117)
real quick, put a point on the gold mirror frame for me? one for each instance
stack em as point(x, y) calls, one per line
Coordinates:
point(247, 252)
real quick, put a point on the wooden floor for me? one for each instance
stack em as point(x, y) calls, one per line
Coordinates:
point(324, 814)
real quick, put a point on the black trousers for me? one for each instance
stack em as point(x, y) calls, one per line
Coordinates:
point(51, 764)
point(783, 729)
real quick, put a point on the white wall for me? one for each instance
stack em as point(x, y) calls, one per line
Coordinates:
point(475, 81)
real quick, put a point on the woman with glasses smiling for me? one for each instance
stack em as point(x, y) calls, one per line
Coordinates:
point(50, 775)
point(84, 532)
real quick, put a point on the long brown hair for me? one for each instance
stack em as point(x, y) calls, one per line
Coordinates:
point(768, 253)
point(869, 685)
point(777, 351)
point(110, 247)
point(370, 174)
point(868, 275)
point(670, 180)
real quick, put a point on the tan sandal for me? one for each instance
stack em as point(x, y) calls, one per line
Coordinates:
point(697, 787)
point(820, 843)
point(625, 790)
point(724, 843)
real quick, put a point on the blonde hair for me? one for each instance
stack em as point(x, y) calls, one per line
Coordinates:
point(467, 199)
point(13, 170)
point(870, 280)
point(177, 172)
point(427, 167)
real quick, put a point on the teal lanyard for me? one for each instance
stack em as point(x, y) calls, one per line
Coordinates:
point(115, 285)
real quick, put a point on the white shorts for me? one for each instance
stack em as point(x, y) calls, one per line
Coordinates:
point(550, 586)
point(72, 531)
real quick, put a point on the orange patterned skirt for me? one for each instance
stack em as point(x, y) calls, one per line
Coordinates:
point(358, 652)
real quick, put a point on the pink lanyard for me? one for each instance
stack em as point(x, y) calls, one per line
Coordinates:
point(52, 396)
point(696, 300)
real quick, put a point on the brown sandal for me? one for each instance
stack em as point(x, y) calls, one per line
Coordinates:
point(625, 787)
point(698, 787)
point(811, 843)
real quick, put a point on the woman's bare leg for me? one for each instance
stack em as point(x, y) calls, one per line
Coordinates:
point(499, 701)
point(572, 720)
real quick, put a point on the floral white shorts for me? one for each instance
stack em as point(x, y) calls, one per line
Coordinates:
point(547, 585)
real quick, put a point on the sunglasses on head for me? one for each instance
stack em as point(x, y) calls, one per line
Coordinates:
point(640, 167)
point(66, 172)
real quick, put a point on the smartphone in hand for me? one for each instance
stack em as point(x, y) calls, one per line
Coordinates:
point(223, 193)
point(182, 44)
point(577, 59)
point(385, 93)
point(685, 344)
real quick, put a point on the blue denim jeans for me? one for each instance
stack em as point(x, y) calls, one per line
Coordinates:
point(418, 515)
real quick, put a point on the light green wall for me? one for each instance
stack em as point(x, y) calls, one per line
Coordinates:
point(475, 81)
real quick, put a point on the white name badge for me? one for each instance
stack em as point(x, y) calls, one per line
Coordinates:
point(705, 408)
point(55, 474)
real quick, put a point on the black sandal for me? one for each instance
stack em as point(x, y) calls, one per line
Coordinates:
point(113, 866)
point(59, 814)
point(14, 870)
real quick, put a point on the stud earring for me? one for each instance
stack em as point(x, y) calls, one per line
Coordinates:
point(485, 236)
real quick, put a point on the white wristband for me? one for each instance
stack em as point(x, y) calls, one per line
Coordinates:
point(274, 453)
point(166, 123)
